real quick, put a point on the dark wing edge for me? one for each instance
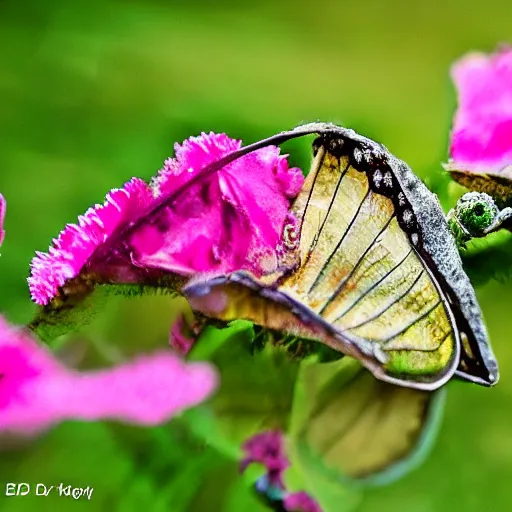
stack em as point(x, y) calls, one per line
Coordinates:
point(478, 362)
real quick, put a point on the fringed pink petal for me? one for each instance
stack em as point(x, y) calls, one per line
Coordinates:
point(77, 242)
point(190, 157)
point(231, 220)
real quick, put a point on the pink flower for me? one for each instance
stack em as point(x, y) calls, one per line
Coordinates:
point(300, 502)
point(267, 448)
point(36, 391)
point(3, 206)
point(76, 244)
point(482, 129)
point(230, 220)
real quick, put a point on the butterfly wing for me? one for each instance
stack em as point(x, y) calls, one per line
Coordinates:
point(375, 255)
point(361, 286)
point(350, 423)
point(361, 272)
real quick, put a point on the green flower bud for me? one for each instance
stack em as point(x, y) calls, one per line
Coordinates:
point(476, 211)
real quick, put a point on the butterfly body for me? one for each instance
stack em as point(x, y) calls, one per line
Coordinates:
point(377, 275)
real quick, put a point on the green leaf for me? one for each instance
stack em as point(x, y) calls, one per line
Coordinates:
point(171, 466)
point(62, 317)
point(212, 339)
point(256, 389)
point(128, 312)
point(224, 488)
point(203, 422)
point(76, 454)
point(329, 492)
point(489, 258)
point(242, 497)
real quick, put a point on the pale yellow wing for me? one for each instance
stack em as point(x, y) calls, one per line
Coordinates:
point(349, 422)
point(360, 271)
point(361, 286)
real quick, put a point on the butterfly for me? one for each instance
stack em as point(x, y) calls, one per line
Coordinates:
point(375, 272)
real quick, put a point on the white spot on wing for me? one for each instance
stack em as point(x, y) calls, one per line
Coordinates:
point(377, 178)
point(407, 216)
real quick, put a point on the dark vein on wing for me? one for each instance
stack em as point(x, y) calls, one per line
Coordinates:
point(389, 306)
point(331, 203)
point(414, 322)
point(343, 282)
point(372, 287)
point(416, 349)
point(320, 165)
point(338, 245)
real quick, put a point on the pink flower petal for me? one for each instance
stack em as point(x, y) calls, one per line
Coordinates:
point(482, 129)
point(37, 392)
point(77, 242)
point(3, 206)
point(192, 156)
point(267, 448)
point(300, 502)
point(231, 220)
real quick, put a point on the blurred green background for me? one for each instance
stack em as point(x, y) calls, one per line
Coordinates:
point(93, 93)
